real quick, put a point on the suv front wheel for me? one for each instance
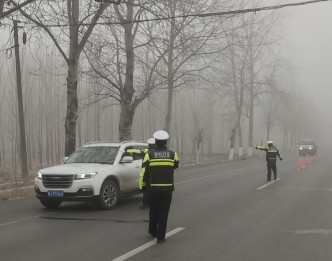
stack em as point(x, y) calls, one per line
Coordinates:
point(109, 195)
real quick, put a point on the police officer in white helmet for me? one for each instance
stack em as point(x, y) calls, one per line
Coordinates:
point(151, 145)
point(272, 153)
point(157, 177)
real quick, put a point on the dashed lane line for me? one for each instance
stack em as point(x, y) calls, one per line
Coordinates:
point(145, 246)
point(268, 184)
point(17, 221)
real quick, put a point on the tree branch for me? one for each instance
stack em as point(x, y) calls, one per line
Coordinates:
point(16, 7)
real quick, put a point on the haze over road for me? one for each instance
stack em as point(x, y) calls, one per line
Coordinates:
point(221, 212)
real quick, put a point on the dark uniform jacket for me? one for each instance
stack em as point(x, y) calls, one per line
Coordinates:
point(157, 173)
point(271, 153)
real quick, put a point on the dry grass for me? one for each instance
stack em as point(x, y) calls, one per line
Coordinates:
point(17, 192)
point(12, 187)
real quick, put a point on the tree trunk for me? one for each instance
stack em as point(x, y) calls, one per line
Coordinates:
point(2, 3)
point(251, 100)
point(127, 111)
point(72, 107)
point(170, 73)
point(268, 128)
point(240, 141)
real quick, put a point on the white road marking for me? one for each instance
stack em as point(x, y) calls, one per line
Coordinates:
point(321, 189)
point(17, 221)
point(268, 184)
point(313, 231)
point(145, 246)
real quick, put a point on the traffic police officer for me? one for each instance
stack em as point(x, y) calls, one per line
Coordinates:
point(151, 143)
point(157, 177)
point(272, 153)
point(151, 146)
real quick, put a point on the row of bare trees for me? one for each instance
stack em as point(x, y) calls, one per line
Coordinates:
point(119, 71)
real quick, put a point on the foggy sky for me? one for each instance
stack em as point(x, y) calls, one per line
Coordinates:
point(307, 44)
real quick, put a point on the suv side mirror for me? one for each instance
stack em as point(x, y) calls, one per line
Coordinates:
point(127, 159)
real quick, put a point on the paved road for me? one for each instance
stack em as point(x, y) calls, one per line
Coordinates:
point(221, 212)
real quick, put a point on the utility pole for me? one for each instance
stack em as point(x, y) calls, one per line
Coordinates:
point(23, 149)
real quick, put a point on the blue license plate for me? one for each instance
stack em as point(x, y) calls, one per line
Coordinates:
point(55, 193)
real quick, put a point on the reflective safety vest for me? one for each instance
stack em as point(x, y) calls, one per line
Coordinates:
point(271, 153)
point(157, 173)
point(134, 151)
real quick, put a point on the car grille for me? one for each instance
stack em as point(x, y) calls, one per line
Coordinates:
point(57, 181)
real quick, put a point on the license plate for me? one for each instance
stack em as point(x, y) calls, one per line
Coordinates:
point(55, 193)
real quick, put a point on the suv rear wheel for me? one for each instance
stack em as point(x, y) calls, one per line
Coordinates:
point(109, 195)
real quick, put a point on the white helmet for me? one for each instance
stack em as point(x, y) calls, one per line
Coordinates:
point(161, 135)
point(269, 142)
point(151, 141)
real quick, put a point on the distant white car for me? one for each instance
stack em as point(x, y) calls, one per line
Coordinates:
point(307, 147)
point(100, 171)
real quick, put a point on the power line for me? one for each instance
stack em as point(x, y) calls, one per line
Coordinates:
point(267, 8)
point(225, 13)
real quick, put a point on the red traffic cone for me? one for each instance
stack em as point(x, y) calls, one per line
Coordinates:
point(299, 163)
point(307, 160)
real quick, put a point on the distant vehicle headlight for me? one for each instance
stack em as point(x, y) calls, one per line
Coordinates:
point(39, 176)
point(310, 148)
point(301, 148)
point(86, 175)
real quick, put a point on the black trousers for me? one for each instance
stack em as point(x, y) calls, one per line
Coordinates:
point(160, 203)
point(271, 166)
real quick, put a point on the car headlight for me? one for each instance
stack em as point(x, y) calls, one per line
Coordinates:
point(86, 175)
point(39, 175)
point(300, 148)
point(310, 148)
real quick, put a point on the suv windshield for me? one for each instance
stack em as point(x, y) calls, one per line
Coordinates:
point(98, 154)
point(307, 142)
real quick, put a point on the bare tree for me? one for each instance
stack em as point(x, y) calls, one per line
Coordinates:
point(129, 75)
point(260, 36)
point(15, 7)
point(77, 36)
point(185, 40)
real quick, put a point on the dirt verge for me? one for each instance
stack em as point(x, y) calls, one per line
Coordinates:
point(18, 192)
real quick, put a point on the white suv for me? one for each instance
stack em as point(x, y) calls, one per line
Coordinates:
point(100, 171)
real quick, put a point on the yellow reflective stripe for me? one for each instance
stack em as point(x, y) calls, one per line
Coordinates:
point(161, 163)
point(161, 185)
point(158, 160)
point(146, 158)
point(141, 176)
point(133, 151)
point(260, 147)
